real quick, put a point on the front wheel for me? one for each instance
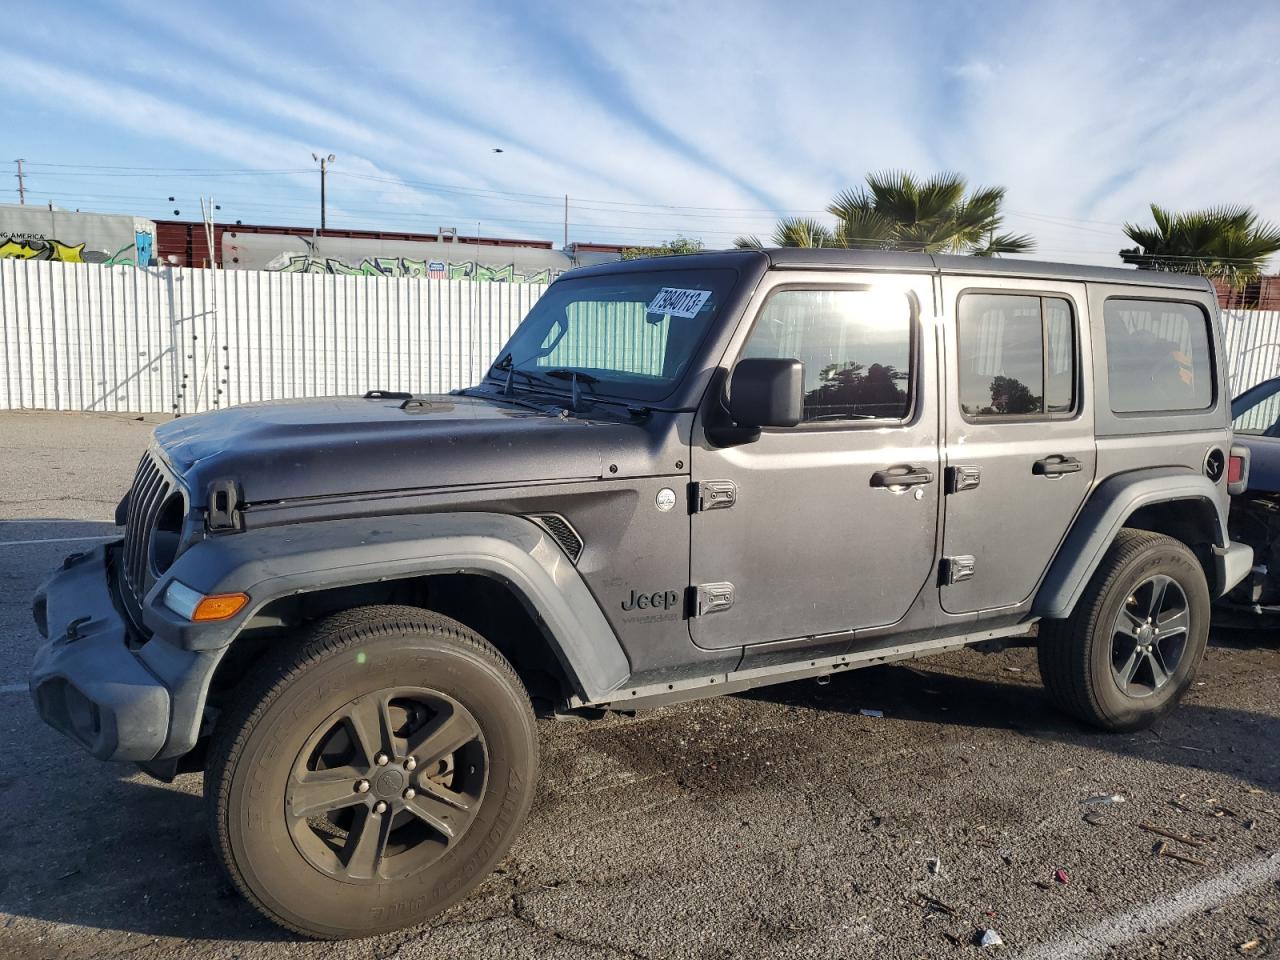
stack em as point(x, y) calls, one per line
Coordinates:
point(1131, 647)
point(369, 778)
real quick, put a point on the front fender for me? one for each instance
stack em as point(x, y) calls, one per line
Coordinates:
point(1111, 504)
point(273, 562)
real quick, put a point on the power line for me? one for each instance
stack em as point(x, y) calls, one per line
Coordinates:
point(161, 170)
point(545, 199)
point(177, 174)
point(625, 231)
point(398, 212)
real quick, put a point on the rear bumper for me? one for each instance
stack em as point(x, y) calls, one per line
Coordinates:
point(1233, 564)
point(94, 682)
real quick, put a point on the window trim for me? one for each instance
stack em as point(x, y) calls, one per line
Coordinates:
point(914, 354)
point(1043, 416)
point(1214, 396)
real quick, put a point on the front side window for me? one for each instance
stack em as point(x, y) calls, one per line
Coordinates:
point(634, 334)
point(1017, 355)
point(1158, 356)
point(855, 345)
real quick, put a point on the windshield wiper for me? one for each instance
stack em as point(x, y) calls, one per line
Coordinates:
point(503, 398)
point(564, 373)
point(507, 364)
point(574, 377)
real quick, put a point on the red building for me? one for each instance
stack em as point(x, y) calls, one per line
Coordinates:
point(187, 241)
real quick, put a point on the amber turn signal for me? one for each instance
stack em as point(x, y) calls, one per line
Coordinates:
point(219, 606)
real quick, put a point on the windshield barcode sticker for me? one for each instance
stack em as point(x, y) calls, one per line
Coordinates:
point(679, 303)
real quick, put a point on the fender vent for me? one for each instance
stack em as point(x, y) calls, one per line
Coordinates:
point(561, 532)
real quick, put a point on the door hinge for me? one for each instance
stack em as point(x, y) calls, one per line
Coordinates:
point(963, 477)
point(958, 569)
point(712, 598)
point(713, 494)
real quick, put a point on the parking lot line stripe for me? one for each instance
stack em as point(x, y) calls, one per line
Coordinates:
point(1125, 927)
point(14, 688)
point(25, 543)
point(48, 520)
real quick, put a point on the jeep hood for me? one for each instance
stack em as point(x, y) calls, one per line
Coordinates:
point(348, 445)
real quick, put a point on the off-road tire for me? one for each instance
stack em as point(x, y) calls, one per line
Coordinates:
point(1075, 653)
point(293, 690)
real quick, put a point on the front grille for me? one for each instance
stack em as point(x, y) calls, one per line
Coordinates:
point(562, 533)
point(151, 487)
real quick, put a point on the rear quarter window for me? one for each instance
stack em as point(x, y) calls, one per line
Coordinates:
point(1159, 357)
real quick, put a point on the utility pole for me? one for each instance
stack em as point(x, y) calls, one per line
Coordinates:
point(324, 165)
point(206, 214)
point(22, 187)
point(566, 221)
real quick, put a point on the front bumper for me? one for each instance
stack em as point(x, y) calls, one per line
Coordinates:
point(95, 682)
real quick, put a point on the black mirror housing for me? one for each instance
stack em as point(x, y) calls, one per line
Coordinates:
point(767, 392)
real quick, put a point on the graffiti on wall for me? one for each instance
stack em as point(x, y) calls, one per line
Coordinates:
point(30, 246)
point(145, 244)
point(409, 267)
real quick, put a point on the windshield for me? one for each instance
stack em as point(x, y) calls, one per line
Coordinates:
point(631, 335)
point(1256, 412)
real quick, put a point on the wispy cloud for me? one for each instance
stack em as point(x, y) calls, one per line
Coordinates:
point(642, 112)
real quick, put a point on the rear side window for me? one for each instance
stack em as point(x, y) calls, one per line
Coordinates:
point(1158, 356)
point(1017, 356)
point(855, 345)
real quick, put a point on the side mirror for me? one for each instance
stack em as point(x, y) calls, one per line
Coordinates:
point(767, 392)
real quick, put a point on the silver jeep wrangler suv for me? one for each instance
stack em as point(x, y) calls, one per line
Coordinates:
point(681, 477)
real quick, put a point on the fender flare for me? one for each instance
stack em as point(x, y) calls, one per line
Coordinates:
point(1105, 512)
point(273, 562)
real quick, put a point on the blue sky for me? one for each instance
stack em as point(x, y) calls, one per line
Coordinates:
point(702, 119)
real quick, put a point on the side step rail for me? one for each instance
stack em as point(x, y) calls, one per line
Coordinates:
point(678, 691)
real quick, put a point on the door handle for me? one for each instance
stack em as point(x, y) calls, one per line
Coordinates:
point(901, 476)
point(1055, 466)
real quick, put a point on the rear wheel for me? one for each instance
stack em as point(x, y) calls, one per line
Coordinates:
point(1131, 647)
point(370, 777)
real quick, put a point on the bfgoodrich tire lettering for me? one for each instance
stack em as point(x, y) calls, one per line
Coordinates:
point(1082, 660)
point(380, 655)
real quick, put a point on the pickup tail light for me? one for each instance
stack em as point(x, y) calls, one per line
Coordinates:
point(1235, 469)
point(1238, 470)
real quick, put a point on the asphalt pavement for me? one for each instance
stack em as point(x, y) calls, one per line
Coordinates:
point(780, 823)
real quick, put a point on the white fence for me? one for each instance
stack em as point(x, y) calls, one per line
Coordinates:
point(182, 340)
point(1252, 341)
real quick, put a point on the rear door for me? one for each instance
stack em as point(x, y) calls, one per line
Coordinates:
point(1020, 451)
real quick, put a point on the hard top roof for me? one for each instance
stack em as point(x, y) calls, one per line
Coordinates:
point(835, 258)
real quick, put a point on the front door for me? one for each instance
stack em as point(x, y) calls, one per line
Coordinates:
point(830, 525)
point(1020, 452)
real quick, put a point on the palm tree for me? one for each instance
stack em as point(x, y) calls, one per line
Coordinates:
point(793, 232)
point(898, 211)
point(1225, 243)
